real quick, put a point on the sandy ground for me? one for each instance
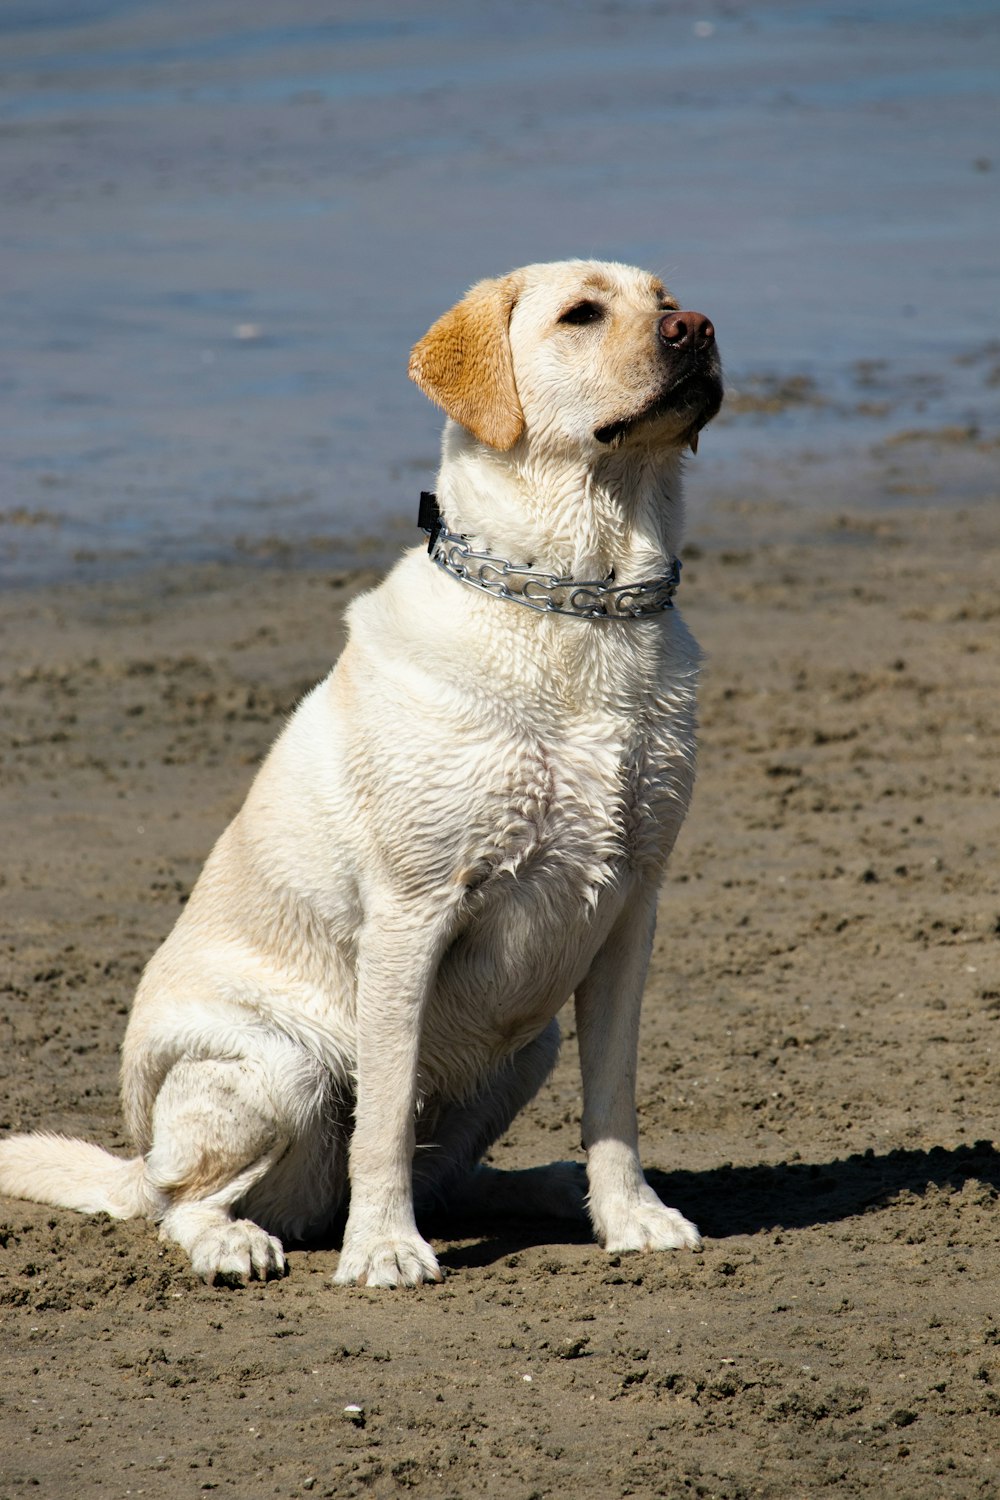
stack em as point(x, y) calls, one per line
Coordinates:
point(817, 1083)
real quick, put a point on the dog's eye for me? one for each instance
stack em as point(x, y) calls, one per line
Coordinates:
point(582, 312)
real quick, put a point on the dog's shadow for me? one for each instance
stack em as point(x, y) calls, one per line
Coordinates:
point(728, 1200)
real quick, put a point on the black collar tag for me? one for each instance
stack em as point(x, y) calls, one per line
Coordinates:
point(429, 517)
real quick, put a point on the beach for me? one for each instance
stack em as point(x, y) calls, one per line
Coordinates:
point(817, 1081)
point(201, 473)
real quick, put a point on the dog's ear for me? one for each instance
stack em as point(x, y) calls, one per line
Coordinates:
point(463, 363)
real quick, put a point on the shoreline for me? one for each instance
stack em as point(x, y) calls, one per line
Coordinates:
point(948, 466)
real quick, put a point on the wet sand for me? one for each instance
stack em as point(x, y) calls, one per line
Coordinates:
point(817, 1077)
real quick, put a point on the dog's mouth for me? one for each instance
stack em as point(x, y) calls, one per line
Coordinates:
point(695, 395)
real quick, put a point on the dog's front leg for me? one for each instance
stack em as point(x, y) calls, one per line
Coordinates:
point(626, 1213)
point(397, 962)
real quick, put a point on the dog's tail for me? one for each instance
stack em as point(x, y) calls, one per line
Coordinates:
point(74, 1174)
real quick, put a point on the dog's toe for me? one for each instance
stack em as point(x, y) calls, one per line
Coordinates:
point(236, 1253)
point(408, 1261)
point(646, 1224)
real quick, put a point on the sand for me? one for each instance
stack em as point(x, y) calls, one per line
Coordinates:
point(817, 1083)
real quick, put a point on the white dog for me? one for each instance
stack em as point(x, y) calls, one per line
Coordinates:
point(464, 825)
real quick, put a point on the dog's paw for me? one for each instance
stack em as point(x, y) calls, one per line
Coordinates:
point(644, 1224)
point(404, 1261)
point(237, 1252)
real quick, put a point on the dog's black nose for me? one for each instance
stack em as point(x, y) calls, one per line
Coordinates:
point(683, 330)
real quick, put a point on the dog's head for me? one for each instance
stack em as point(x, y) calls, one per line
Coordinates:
point(572, 354)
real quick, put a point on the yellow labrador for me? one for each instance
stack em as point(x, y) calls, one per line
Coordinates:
point(463, 826)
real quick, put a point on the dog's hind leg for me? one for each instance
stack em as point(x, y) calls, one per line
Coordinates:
point(447, 1168)
point(222, 1131)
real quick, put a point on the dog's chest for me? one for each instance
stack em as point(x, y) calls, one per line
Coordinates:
point(598, 787)
point(565, 827)
point(584, 807)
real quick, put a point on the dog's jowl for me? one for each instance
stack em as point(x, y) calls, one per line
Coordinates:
point(362, 991)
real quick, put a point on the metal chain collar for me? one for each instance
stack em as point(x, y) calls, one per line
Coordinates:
point(548, 593)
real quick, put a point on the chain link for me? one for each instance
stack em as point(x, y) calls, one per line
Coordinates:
point(550, 594)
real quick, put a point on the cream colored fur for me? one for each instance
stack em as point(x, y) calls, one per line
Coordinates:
point(465, 825)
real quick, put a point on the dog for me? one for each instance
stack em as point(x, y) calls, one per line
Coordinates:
point(464, 825)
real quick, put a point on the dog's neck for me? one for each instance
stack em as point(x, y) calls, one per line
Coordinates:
point(620, 513)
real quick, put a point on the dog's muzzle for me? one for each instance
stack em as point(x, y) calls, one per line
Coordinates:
point(692, 377)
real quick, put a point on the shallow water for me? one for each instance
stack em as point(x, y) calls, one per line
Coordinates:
point(219, 243)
